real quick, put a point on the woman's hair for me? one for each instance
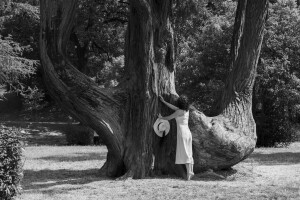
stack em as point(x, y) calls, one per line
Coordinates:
point(183, 103)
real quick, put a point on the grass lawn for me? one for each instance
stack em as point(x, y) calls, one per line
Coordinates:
point(71, 172)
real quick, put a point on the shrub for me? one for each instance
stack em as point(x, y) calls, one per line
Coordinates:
point(79, 135)
point(11, 171)
point(274, 129)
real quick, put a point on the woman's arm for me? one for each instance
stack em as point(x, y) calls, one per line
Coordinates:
point(177, 113)
point(168, 104)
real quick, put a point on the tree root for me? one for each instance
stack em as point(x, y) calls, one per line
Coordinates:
point(127, 176)
point(103, 170)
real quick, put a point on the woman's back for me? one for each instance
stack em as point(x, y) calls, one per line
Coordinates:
point(183, 119)
point(184, 153)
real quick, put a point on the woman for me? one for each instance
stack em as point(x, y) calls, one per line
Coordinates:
point(184, 153)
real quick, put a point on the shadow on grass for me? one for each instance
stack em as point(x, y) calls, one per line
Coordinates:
point(44, 179)
point(42, 133)
point(208, 175)
point(45, 140)
point(284, 158)
point(76, 157)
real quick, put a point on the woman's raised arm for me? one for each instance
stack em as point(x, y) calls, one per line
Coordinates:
point(177, 113)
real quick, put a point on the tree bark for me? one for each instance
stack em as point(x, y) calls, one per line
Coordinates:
point(76, 93)
point(149, 62)
point(81, 52)
point(123, 117)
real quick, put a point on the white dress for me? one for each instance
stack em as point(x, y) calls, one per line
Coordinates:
point(184, 152)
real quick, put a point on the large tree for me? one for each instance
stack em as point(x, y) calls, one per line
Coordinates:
point(123, 116)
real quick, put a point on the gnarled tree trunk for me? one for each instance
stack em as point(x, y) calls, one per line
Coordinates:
point(124, 116)
point(224, 140)
point(75, 92)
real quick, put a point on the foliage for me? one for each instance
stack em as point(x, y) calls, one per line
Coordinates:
point(30, 2)
point(110, 74)
point(97, 41)
point(21, 24)
point(277, 90)
point(14, 68)
point(10, 162)
point(19, 52)
point(34, 98)
point(203, 60)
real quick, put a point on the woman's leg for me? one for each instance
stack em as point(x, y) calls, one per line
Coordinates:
point(189, 170)
point(187, 165)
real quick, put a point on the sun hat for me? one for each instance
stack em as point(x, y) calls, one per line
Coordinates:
point(160, 126)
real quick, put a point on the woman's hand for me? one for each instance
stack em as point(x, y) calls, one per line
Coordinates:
point(161, 98)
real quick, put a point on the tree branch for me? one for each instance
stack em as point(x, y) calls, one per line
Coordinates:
point(76, 93)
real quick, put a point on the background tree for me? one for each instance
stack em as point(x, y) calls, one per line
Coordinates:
point(19, 30)
point(97, 41)
point(277, 88)
point(13, 68)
